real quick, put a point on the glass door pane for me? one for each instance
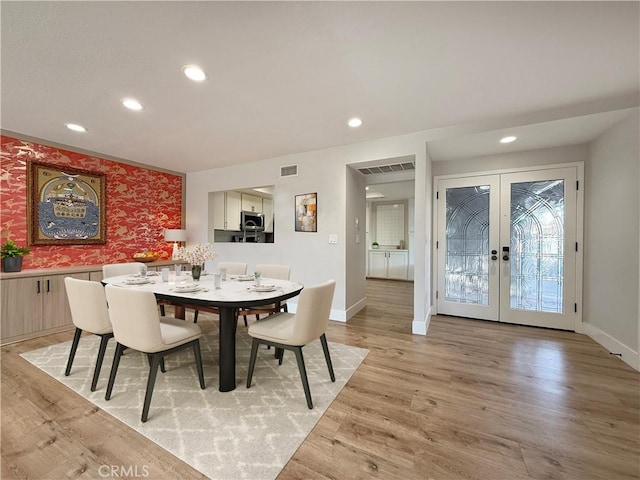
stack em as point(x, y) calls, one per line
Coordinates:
point(537, 238)
point(467, 245)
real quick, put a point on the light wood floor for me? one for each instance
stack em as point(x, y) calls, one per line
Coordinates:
point(471, 400)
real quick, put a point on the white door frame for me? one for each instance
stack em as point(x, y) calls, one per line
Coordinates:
point(578, 324)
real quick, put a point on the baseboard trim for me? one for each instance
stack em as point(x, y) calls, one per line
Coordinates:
point(421, 327)
point(355, 308)
point(627, 355)
point(335, 315)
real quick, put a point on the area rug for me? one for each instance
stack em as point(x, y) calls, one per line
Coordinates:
point(250, 433)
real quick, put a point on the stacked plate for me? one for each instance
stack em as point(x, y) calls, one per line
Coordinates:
point(263, 288)
point(137, 281)
point(187, 288)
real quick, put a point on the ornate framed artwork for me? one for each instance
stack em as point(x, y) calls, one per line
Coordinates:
point(306, 208)
point(66, 206)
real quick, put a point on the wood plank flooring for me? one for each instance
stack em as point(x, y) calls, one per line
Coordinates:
point(471, 400)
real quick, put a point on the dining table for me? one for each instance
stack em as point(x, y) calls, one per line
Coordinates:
point(234, 293)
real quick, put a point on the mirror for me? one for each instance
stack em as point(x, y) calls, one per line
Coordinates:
point(242, 215)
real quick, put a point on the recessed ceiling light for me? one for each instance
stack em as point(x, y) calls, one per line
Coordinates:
point(355, 122)
point(75, 127)
point(194, 72)
point(508, 139)
point(132, 104)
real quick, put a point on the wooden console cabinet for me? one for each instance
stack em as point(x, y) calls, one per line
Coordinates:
point(34, 302)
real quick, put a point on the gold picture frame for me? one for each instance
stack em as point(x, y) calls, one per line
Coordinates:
point(306, 208)
point(66, 206)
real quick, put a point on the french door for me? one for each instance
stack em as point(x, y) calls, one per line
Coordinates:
point(506, 247)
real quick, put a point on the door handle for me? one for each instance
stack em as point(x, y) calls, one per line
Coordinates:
point(505, 253)
point(494, 254)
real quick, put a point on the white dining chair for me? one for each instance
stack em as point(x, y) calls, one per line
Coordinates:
point(117, 269)
point(136, 325)
point(89, 313)
point(233, 268)
point(289, 331)
point(267, 270)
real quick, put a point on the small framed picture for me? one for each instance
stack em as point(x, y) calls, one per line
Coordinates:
point(306, 208)
point(66, 206)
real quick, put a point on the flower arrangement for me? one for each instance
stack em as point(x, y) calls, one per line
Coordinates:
point(196, 255)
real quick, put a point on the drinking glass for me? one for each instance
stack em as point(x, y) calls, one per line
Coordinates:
point(257, 276)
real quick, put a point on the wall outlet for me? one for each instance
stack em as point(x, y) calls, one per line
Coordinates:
point(333, 238)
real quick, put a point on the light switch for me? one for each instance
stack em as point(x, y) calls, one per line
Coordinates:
point(333, 238)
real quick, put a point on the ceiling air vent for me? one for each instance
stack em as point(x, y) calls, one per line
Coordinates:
point(289, 171)
point(396, 167)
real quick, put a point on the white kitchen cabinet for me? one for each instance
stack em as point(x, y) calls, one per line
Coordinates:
point(393, 264)
point(251, 203)
point(224, 208)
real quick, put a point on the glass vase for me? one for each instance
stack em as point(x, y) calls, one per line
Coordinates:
point(196, 271)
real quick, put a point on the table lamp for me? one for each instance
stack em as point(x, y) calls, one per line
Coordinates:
point(175, 236)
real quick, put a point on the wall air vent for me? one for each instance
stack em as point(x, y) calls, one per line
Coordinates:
point(393, 168)
point(289, 171)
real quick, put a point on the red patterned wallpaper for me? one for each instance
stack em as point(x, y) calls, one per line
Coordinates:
point(141, 203)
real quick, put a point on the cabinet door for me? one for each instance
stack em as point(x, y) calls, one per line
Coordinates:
point(232, 205)
point(377, 264)
point(55, 306)
point(397, 265)
point(251, 203)
point(217, 211)
point(21, 306)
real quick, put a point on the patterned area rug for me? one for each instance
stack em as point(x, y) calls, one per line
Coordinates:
point(245, 434)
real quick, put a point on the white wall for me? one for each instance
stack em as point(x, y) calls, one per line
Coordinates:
point(612, 235)
point(530, 158)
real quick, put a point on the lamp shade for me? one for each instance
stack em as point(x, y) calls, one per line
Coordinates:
point(175, 235)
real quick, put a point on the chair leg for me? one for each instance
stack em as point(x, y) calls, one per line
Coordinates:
point(198, 355)
point(162, 310)
point(303, 375)
point(162, 367)
point(195, 316)
point(104, 339)
point(114, 370)
point(245, 321)
point(252, 360)
point(279, 355)
point(72, 353)
point(327, 357)
point(155, 359)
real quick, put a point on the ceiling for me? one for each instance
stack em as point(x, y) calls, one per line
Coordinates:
point(284, 77)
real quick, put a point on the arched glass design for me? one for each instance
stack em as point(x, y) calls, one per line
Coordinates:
point(467, 245)
point(537, 239)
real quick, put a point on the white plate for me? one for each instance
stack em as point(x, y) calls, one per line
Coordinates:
point(137, 281)
point(263, 288)
point(188, 289)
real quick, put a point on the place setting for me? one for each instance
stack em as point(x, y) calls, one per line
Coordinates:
point(136, 280)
